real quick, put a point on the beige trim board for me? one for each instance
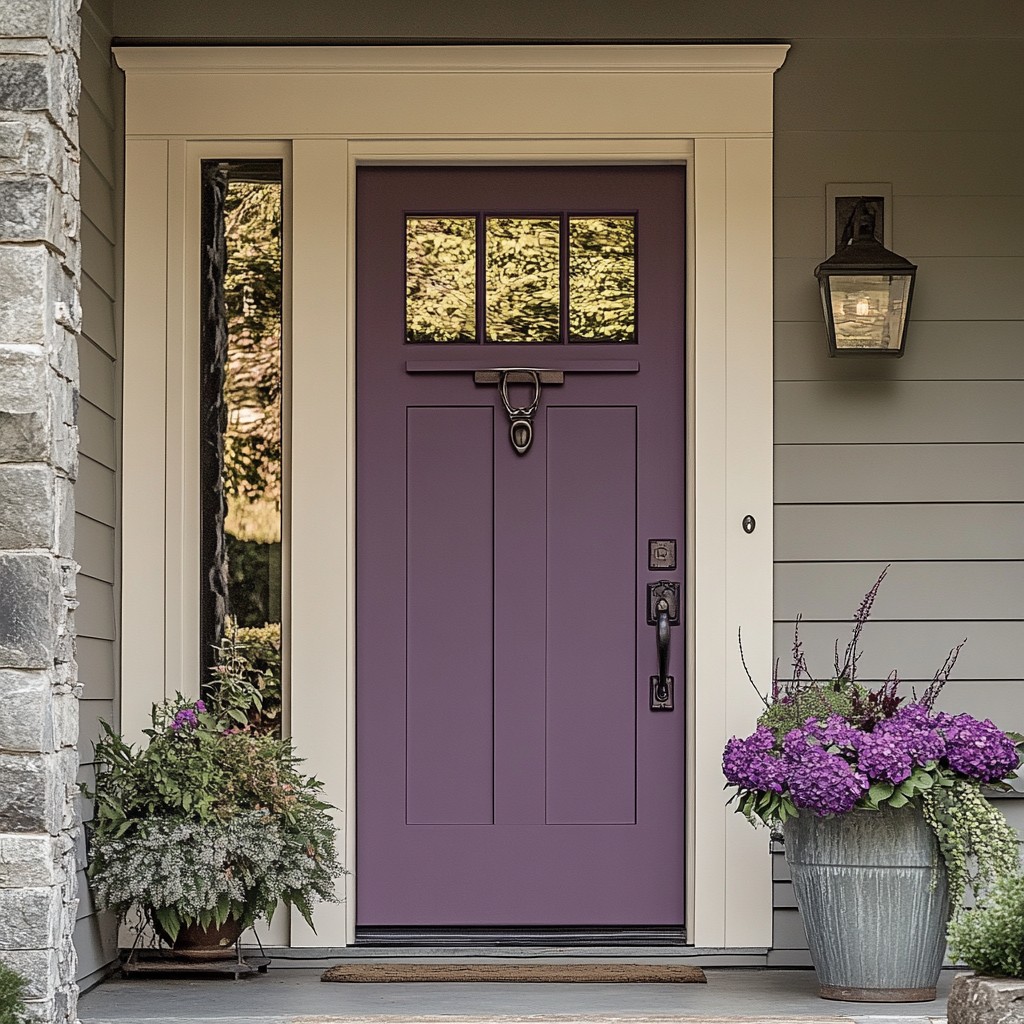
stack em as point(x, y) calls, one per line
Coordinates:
point(325, 110)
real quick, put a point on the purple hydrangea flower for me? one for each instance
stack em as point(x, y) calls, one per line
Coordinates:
point(200, 705)
point(883, 755)
point(835, 731)
point(919, 733)
point(978, 749)
point(820, 781)
point(750, 763)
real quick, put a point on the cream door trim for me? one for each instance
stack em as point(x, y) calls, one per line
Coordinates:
point(324, 110)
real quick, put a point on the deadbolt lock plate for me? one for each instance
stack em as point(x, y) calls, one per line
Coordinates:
point(667, 591)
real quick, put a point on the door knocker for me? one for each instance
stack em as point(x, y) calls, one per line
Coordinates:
point(521, 418)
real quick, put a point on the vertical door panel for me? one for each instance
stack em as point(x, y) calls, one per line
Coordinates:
point(591, 600)
point(448, 608)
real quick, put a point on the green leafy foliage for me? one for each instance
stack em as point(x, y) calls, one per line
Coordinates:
point(12, 992)
point(990, 937)
point(247, 676)
point(252, 384)
point(209, 799)
point(976, 841)
point(815, 700)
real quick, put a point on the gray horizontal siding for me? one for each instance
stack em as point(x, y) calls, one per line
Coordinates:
point(921, 474)
point(949, 350)
point(96, 495)
point(914, 591)
point(876, 532)
point(895, 411)
point(918, 162)
point(97, 373)
point(96, 488)
point(916, 650)
point(98, 434)
point(928, 226)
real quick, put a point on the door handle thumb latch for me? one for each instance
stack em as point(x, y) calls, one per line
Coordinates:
point(663, 613)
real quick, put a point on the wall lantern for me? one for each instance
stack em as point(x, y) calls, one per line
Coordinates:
point(865, 292)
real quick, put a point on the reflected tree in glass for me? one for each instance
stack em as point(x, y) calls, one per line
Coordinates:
point(602, 279)
point(522, 279)
point(440, 279)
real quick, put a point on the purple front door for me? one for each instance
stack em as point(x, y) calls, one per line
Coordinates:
point(510, 770)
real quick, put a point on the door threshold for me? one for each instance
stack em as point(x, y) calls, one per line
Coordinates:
point(753, 956)
point(491, 938)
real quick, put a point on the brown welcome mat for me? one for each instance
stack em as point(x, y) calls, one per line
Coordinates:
point(620, 973)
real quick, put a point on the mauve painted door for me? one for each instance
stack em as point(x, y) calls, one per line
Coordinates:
point(510, 772)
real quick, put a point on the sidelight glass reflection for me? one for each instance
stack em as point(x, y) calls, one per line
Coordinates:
point(522, 279)
point(440, 279)
point(602, 279)
point(241, 450)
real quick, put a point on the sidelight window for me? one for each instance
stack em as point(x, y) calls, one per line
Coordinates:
point(240, 461)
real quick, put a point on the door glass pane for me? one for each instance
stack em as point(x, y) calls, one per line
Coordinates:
point(602, 279)
point(240, 461)
point(440, 279)
point(522, 279)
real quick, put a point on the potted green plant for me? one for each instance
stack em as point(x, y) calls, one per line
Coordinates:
point(12, 997)
point(989, 939)
point(881, 806)
point(210, 824)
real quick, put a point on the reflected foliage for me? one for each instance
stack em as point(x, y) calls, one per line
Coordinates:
point(602, 279)
point(522, 279)
point(252, 386)
point(440, 279)
point(247, 673)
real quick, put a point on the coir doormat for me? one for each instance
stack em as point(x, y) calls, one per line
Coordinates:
point(590, 973)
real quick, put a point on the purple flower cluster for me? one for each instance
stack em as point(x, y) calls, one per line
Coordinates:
point(751, 764)
point(979, 750)
point(188, 717)
point(823, 782)
point(827, 766)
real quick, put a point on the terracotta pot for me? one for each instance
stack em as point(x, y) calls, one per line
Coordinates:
point(194, 942)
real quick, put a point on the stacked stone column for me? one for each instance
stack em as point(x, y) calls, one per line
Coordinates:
point(40, 314)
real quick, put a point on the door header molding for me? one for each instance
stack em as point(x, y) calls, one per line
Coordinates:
point(421, 92)
point(658, 58)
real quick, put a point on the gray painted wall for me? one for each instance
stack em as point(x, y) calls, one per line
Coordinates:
point(96, 490)
point(919, 462)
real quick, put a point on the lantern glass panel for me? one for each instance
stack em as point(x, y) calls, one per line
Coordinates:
point(869, 310)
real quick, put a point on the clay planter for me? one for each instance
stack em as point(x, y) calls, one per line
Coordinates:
point(195, 942)
point(871, 888)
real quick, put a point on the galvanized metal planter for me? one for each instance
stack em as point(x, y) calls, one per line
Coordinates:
point(871, 888)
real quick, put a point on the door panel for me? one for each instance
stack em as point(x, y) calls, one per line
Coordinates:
point(591, 595)
point(510, 770)
point(449, 547)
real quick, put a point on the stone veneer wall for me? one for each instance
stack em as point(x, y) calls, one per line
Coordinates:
point(40, 264)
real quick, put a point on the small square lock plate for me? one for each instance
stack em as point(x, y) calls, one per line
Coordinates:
point(661, 554)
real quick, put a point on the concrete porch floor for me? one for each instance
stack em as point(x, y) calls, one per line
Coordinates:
point(295, 995)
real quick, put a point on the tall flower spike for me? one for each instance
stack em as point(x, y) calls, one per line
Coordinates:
point(941, 677)
point(848, 671)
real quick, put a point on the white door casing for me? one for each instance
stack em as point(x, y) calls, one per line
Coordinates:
point(324, 110)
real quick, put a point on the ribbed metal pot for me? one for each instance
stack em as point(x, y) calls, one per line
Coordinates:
point(875, 923)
